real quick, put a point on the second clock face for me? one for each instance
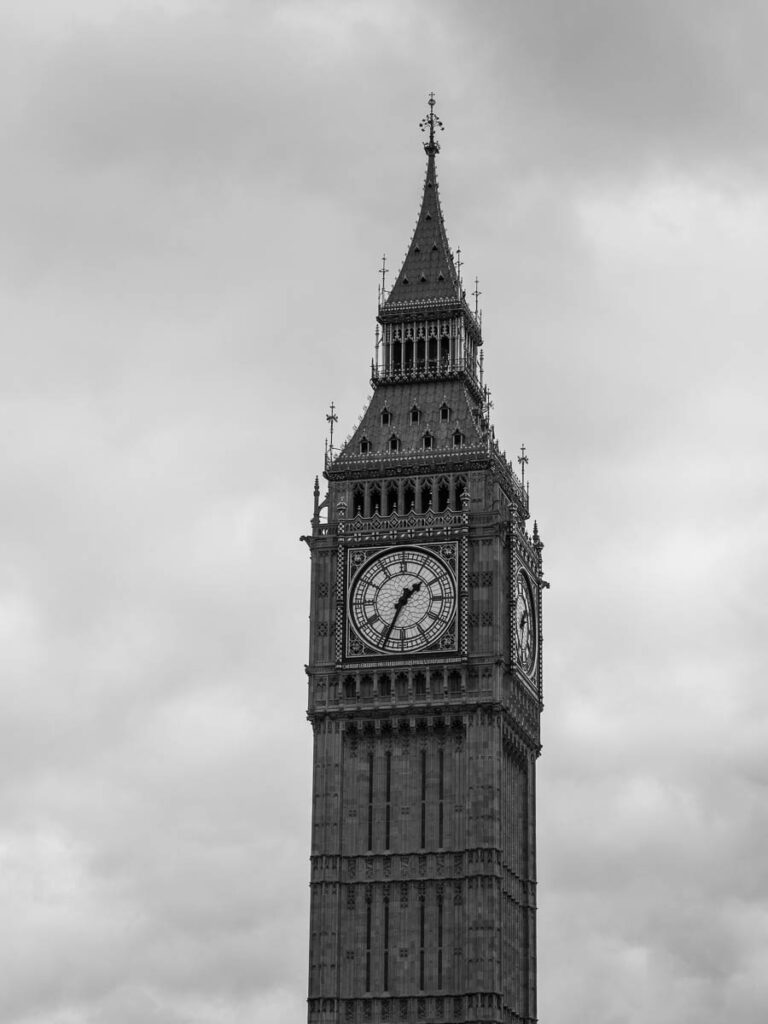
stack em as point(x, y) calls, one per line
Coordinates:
point(525, 623)
point(402, 600)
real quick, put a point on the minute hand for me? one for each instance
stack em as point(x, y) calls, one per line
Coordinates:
point(402, 601)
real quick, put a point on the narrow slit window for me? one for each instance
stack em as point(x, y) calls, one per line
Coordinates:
point(368, 945)
point(440, 797)
point(423, 799)
point(370, 802)
point(388, 804)
point(386, 943)
point(421, 943)
point(440, 943)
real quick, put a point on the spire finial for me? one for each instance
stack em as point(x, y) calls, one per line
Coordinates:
point(431, 121)
point(332, 418)
point(522, 458)
point(477, 293)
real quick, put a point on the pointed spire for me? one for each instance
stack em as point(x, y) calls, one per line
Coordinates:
point(428, 271)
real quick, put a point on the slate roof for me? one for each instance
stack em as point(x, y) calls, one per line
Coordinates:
point(428, 272)
point(398, 400)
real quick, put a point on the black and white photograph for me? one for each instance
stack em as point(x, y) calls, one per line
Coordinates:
point(383, 512)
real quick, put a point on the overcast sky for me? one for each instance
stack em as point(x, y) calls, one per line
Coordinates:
point(194, 201)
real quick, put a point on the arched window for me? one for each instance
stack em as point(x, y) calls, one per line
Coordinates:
point(426, 495)
point(420, 685)
point(375, 498)
point(385, 686)
point(394, 443)
point(397, 356)
point(445, 350)
point(415, 414)
point(443, 495)
point(349, 688)
point(409, 496)
point(459, 486)
point(408, 354)
point(428, 440)
point(420, 345)
point(454, 683)
point(366, 687)
point(401, 684)
point(365, 446)
point(445, 413)
point(386, 417)
point(458, 439)
point(433, 353)
point(358, 500)
point(391, 498)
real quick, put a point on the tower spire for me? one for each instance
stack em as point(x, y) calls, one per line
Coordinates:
point(428, 273)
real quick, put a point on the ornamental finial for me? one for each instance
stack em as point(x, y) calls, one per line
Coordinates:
point(431, 121)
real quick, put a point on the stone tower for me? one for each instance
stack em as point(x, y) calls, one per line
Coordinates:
point(424, 679)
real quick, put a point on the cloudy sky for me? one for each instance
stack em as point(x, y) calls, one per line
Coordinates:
point(195, 197)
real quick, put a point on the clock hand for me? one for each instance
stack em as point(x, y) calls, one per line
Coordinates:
point(398, 609)
point(401, 602)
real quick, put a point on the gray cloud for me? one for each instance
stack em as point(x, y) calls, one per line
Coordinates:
point(195, 200)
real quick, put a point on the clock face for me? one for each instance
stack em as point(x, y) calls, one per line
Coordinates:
point(402, 600)
point(525, 623)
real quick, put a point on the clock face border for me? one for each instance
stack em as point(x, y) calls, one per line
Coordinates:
point(526, 636)
point(359, 560)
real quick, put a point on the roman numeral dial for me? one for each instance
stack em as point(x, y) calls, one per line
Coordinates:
point(525, 623)
point(402, 600)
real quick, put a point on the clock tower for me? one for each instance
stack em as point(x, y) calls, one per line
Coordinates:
point(424, 678)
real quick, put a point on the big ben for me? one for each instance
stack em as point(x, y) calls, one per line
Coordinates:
point(424, 678)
